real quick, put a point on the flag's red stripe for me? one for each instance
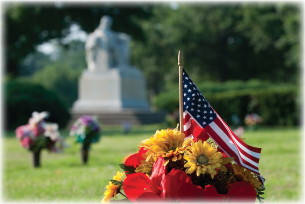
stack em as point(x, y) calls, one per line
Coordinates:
point(222, 127)
point(186, 117)
point(251, 148)
point(199, 133)
point(187, 132)
point(221, 143)
point(254, 159)
point(225, 130)
point(196, 130)
point(228, 150)
point(217, 122)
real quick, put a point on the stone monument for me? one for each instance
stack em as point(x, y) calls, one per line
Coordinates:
point(110, 85)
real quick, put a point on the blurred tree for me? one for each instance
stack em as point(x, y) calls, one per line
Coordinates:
point(62, 75)
point(33, 62)
point(220, 42)
point(28, 25)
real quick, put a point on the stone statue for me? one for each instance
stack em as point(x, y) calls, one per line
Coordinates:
point(106, 49)
point(110, 82)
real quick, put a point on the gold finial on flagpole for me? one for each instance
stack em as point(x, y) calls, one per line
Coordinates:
point(180, 64)
point(180, 58)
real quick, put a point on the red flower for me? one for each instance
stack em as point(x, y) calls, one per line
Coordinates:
point(239, 192)
point(175, 186)
point(138, 183)
point(178, 186)
point(135, 159)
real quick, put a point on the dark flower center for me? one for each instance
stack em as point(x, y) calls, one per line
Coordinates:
point(201, 159)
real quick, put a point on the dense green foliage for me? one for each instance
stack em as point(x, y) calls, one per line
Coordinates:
point(220, 42)
point(21, 98)
point(62, 178)
point(276, 104)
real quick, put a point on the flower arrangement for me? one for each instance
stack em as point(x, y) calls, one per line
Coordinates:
point(252, 120)
point(86, 130)
point(171, 168)
point(38, 135)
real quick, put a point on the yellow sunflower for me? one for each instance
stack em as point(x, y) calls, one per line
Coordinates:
point(243, 174)
point(203, 158)
point(146, 166)
point(169, 144)
point(112, 189)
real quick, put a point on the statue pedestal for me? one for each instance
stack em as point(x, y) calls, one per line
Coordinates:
point(111, 90)
point(115, 96)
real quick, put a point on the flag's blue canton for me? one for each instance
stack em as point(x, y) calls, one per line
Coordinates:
point(195, 103)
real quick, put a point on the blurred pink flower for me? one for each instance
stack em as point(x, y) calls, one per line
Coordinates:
point(26, 142)
point(23, 131)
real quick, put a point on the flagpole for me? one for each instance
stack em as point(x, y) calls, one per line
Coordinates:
point(180, 64)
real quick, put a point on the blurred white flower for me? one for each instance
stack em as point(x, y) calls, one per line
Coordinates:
point(51, 130)
point(37, 117)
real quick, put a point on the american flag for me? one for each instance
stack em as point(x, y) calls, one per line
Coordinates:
point(200, 121)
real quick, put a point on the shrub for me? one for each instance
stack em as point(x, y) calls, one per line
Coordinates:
point(21, 98)
point(276, 104)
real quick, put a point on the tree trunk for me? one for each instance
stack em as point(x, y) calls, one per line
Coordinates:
point(85, 153)
point(36, 158)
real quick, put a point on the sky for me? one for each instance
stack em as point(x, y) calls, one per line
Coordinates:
point(76, 33)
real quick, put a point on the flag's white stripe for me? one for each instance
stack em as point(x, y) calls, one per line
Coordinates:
point(230, 144)
point(239, 160)
point(225, 139)
point(187, 125)
point(190, 136)
point(254, 154)
point(186, 112)
point(247, 159)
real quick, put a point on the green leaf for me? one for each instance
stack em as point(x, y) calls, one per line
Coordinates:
point(119, 183)
point(128, 169)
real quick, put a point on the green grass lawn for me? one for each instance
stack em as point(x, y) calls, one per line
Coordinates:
point(62, 177)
